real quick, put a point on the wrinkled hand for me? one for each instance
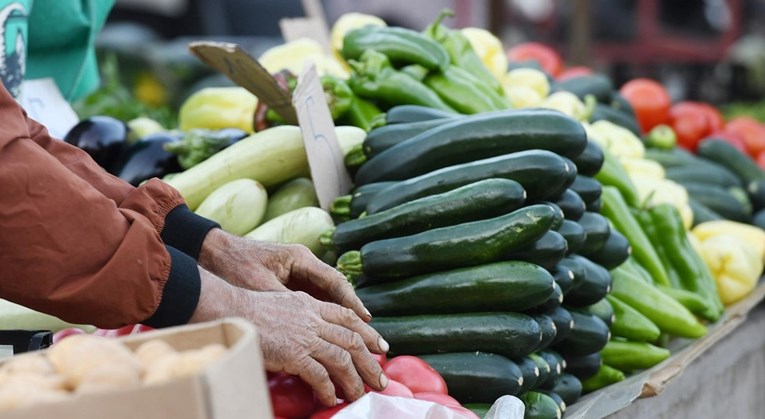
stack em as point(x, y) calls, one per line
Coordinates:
point(315, 340)
point(264, 266)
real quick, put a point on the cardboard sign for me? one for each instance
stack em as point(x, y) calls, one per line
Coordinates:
point(306, 27)
point(44, 103)
point(244, 70)
point(325, 157)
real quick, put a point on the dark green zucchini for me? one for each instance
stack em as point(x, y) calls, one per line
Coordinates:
point(574, 235)
point(619, 103)
point(555, 300)
point(540, 406)
point(597, 85)
point(572, 172)
point(548, 328)
point(500, 286)
point(544, 368)
point(385, 137)
point(563, 323)
point(354, 204)
point(589, 335)
point(723, 153)
point(568, 387)
point(545, 252)
point(589, 162)
point(571, 204)
point(595, 206)
point(476, 377)
point(605, 112)
point(509, 334)
point(721, 200)
point(577, 268)
point(563, 276)
point(592, 287)
point(596, 231)
point(559, 218)
point(414, 113)
point(540, 173)
point(587, 188)
point(759, 219)
point(756, 191)
point(556, 398)
point(483, 199)
point(709, 174)
point(473, 138)
point(677, 157)
point(583, 367)
point(701, 212)
point(613, 253)
point(530, 373)
point(467, 244)
point(557, 366)
point(602, 309)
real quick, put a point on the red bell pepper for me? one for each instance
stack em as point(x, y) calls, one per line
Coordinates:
point(649, 99)
point(291, 397)
point(752, 132)
point(415, 374)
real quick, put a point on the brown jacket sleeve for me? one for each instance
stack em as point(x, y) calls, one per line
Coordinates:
point(80, 244)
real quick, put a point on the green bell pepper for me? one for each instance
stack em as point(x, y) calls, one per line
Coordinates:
point(631, 356)
point(613, 174)
point(464, 92)
point(375, 78)
point(604, 377)
point(402, 46)
point(630, 324)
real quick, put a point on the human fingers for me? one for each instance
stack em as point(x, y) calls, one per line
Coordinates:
point(314, 373)
point(365, 364)
point(307, 267)
point(348, 319)
point(339, 364)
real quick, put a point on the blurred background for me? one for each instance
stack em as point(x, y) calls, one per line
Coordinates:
point(708, 50)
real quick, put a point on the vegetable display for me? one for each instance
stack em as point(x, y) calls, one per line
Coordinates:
point(520, 229)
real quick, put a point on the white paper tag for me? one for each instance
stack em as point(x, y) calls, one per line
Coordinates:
point(325, 158)
point(306, 27)
point(6, 351)
point(44, 103)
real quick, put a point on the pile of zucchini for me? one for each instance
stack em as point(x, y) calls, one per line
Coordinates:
point(480, 248)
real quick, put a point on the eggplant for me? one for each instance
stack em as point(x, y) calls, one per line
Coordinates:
point(148, 158)
point(104, 138)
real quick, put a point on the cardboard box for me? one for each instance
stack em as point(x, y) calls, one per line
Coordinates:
point(234, 387)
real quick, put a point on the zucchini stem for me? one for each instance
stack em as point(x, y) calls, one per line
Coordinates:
point(349, 263)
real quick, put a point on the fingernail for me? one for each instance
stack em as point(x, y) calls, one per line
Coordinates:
point(369, 315)
point(383, 381)
point(383, 344)
point(338, 401)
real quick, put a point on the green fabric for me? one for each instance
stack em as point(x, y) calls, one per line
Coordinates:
point(62, 36)
point(14, 16)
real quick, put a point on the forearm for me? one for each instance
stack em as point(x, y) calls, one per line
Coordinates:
point(217, 299)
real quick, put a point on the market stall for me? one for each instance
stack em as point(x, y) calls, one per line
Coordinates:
point(531, 240)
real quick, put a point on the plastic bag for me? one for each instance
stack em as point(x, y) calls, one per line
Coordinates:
point(506, 407)
point(379, 406)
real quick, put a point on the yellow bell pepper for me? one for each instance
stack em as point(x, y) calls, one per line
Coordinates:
point(218, 107)
point(735, 266)
point(345, 24)
point(294, 55)
point(754, 237)
point(642, 168)
point(527, 77)
point(654, 191)
point(489, 48)
point(567, 103)
point(523, 96)
point(621, 141)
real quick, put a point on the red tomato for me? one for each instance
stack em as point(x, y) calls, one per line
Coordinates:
point(547, 58)
point(63, 333)
point(291, 397)
point(690, 124)
point(729, 136)
point(714, 116)
point(464, 412)
point(650, 101)
point(761, 160)
point(443, 399)
point(575, 71)
point(415, 374)
point(329, 412)
point(396, 389)
point(751, 131)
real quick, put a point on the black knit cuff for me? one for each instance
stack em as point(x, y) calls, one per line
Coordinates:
point(186, 231)
point(181, 294)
